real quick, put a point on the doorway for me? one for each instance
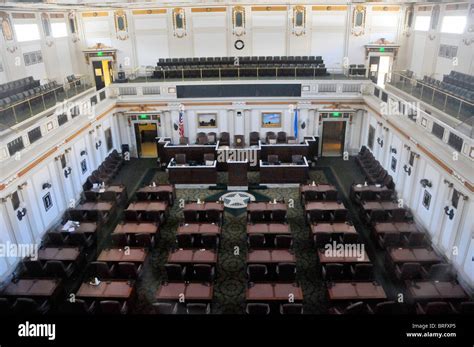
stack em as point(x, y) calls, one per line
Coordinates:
point(102, 73)
point(145, 134)
point(379, 67)
point(333, 139)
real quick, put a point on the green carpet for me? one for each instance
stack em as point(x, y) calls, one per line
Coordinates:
point(230, 283)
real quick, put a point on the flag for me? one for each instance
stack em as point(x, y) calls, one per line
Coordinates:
point(181, 124)
point(295, 125)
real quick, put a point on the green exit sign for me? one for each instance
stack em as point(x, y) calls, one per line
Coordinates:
point(100, 54)
point(381, 49)
point(143, 116)
point(336, 114)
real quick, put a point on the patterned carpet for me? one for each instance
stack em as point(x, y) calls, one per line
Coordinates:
point(230, 284)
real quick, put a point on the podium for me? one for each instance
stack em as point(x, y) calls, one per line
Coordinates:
point(237, 175)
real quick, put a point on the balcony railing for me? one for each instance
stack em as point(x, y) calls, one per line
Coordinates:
point(151, 74)
point(20, 111)
point(456, 107)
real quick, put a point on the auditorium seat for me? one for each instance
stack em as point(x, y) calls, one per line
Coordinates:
point(165, 307)
point(257, 309)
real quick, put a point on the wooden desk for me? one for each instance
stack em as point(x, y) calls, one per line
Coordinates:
point(196, 174)
point(284, 173)
point(271, 229)
point(119, 189)
point(161, 188)
point(264, 256)
point(237, 173)
point(324, 206)
point(136, 228)
point(116, 255)
point(266, 206)
point(192, 256)
point(274, 292)
point(419, 255)
point(427, 290)
point(368, 188)
point(32, 287)
point(333, 228)
point(59, 253)
point(384, 206)
point(83, 227)
point(319, 188)
point(116, 289)
point(163, 192)
point(356, 291)
point(323, 259)
point(96, 206)
point(198, 228)
point(148, 206)
point(191, 291)
point(205, 206)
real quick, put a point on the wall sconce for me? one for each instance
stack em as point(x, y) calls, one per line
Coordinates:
point(91, 131)
point(407, 169)
point(450, 184)
point(380, 141)
point(425, 183)
point(46, 185)
point(21, 213)
point(83, 152)
point(67, 150)
point(23, 185)
point(175, 127)
point(67, 171)
point(407, 147)
point(379, 123)
point(449, 212)
point(385, 128)
point(98, 144)
point(393, 150)
point(99, 126)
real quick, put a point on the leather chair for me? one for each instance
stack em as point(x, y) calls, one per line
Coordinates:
point(333, 272)
point(198, 308)
point(258, 309)
point(257, 273)
point(224, 139)
point(281, 137)
point(254, 138)
point(165, 308)
point(256, 241)
point(183, 140)
point(113, 307)
point(57, 269)
point(286, 272)
point(175, 272)
point(291, 309)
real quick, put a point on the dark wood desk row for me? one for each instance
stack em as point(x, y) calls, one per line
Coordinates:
point(160, 192)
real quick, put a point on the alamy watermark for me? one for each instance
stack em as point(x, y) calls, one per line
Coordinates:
point(248, 155)
point(20, 250)
point(345, 250)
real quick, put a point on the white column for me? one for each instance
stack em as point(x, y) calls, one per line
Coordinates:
point(247, 126)
point(230, 122)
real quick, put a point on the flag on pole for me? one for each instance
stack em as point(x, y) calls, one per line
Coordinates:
point(181, 124)
point(295, 125)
